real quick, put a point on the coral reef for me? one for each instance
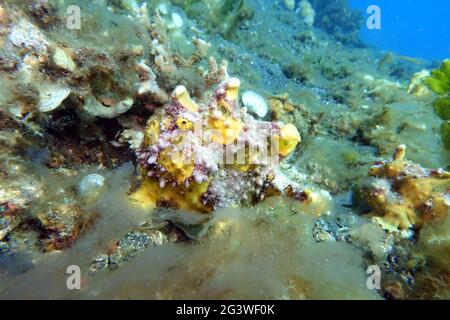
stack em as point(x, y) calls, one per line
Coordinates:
point(125, 146)
point(403, 195)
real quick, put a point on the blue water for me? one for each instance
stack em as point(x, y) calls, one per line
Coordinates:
point(415, 28)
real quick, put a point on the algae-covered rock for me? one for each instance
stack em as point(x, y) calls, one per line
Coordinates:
point(336, 18)
point(62, 225)
point(412, 123)
point(403, 195)
point(435, 243)
point(223, 16)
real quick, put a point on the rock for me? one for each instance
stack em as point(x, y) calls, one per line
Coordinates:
point(25, 35)
point(62, 225)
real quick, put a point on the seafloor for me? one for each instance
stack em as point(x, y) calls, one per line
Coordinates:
point(89, 111)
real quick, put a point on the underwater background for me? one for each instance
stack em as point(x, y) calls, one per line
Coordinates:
point(410, 27)
point(224, 149)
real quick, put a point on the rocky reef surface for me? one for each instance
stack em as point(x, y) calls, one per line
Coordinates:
point(217, 149)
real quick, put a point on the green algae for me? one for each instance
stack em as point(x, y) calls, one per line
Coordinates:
point(439, 81)
point(445, 132)
point(442, 108)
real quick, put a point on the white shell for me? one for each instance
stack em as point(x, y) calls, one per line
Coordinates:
point(51, 96)
point(255, 103)
point(63, 60)
point(177, 21)
point(91, 186)
point(93, 107)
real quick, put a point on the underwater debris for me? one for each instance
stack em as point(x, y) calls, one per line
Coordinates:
point(404, 195)
point(202, 157)
point(10, 217)
point(101, 81)
point(20, 189)
point(44, 12)
point(26, 36)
